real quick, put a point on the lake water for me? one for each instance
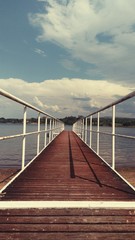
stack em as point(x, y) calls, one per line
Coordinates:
point(10, 150)
point(124, 148)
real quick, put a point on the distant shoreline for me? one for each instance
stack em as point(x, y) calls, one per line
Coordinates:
point(104, 121)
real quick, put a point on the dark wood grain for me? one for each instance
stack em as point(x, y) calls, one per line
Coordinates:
point(67, 224)
point(68, 170)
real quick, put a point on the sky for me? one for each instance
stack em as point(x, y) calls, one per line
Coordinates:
point(67, 57)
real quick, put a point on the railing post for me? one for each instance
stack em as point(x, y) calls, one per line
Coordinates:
point(38, 134)
point(77, 130)
point(98, 122)
point(24, 137)
point(90, 131)
point(45, 139)
point(80, 129)
point(86, 130)
point(113, 136)
point(58, 126)
point(73, 127)
point(83, 129)
point(50, 130)
point(53, 129)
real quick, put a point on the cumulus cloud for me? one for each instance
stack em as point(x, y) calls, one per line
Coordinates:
point(100, 32)
point(38, 102)
point(45, 107)
point(62, 97)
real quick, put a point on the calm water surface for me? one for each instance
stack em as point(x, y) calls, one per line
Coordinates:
point(10, 150)
point(125, 148)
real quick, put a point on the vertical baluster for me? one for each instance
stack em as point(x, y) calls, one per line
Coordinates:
point(98, 122)
point(38, 135)
point(83, 129)
point(73, 127)
point(57, 126)
point(90, 131)
point(86, 130)
point(113, 137)
point(45, 139)
point(53, 129)
point(79, 128)
point(50, 130)
point(24, 137)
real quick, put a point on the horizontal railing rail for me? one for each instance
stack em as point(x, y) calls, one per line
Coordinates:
point(18, 100)
point(52, 127)
point(128, 96)
point(81, 128)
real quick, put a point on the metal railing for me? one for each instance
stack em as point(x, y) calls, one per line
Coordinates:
point(52, 127)
point(81, 128)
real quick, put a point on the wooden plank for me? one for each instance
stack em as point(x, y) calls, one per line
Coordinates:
point(68, 170)
point(52, 176)
point(67, 212)
point(67, 224)
point(67, 219)
point(67, 236)
point(67, 227)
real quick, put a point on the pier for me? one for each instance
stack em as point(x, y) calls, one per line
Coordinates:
point(67, 170)
point(67, 191)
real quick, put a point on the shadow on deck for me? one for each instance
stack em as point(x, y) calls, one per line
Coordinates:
point(68, 170)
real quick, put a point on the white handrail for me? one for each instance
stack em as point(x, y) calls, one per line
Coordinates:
point(18, 100)
point(57, 127)
point(81, 125)
point(130, 95)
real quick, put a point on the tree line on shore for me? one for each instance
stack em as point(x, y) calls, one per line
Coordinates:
point(104, 121)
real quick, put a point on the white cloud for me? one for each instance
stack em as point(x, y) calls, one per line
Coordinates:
point(70, 65)
point(45, 107)
point(95, 31)
point(38, 102)
point(40, 52)
point(62, 97)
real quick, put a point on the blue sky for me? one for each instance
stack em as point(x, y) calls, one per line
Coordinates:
point(69, 50)
point(22, 55)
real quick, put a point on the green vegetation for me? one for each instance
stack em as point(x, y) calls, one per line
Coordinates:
point(69, 120)
point(120, 122)
point(16, 120)
point(104, 121)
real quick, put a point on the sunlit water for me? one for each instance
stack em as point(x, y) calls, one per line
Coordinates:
point(10, 150)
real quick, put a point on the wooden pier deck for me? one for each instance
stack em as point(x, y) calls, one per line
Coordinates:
point(67, 170)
